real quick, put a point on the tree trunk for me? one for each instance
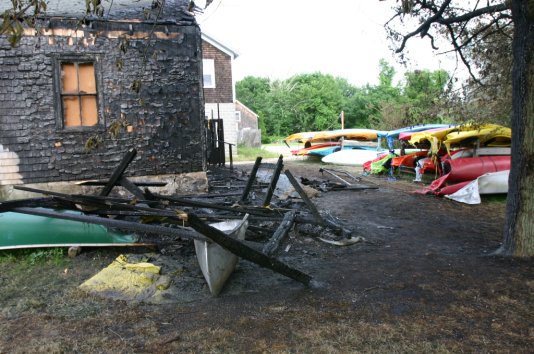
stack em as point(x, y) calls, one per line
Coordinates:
point(519, 226)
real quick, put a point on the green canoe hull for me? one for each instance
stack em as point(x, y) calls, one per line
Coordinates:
point(27, 231)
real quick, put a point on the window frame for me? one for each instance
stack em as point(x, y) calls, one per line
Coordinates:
point(208, 67)
point(94, 59)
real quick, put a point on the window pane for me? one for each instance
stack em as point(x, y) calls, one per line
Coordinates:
point(87, 78)
point(89, 111)
point(208, 68)
point(71, 111)
point(208, 82)
point(69, 78)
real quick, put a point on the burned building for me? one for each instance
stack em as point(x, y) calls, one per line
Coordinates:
point(78, 91)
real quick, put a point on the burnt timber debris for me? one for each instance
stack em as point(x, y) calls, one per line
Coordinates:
point(186, 217)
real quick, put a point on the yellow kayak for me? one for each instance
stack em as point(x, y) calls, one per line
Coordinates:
point(487, 134)
point(301, 137)
point(349, 134)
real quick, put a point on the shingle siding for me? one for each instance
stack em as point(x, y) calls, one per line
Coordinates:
point(223, 91)
point(167, 116)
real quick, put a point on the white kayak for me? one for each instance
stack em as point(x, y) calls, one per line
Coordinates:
point(216, 263)
point(351, 157)
point(489, 183)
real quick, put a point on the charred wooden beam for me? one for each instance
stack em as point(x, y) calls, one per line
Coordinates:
point(45, 202)
point(281, 232)
point(305, 198)
point(117, 173)
point(132, 188)
point(137, 183)
point(251, 178)
point(259, 211)
point(83, 199)
point(318, 218)
point(248, 253)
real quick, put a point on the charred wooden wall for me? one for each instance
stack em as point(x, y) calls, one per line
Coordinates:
point(164, 121)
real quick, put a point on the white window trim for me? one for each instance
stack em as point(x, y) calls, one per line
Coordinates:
point(208, 68)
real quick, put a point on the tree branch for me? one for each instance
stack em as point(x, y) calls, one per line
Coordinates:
point(423, 29)
point(438, 18)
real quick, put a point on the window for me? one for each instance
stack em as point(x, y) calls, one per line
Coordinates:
point(78, 94)
point(208, 68)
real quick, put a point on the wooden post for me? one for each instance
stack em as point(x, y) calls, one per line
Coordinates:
point(231, 157)
point(274, 181)
point(251, 179)
point(245, 252)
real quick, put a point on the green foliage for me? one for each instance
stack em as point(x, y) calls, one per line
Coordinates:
point(7, 257)
point(33, 256)
point(14, 18)
point(310, 102)
point(247, 153)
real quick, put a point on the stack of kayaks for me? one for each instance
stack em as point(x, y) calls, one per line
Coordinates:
point(466, 161)
point(332, 146)
point(456, 156)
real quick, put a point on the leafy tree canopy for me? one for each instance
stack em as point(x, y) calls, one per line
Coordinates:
point(309, 102)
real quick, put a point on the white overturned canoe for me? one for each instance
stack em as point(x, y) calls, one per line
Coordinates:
point(489, 183)
point(216, 263)
point(351, 157)
point(483, 151)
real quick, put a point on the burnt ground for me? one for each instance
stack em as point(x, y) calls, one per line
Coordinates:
point(424, 280)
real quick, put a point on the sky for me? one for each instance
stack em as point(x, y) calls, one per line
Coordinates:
point(281, 38)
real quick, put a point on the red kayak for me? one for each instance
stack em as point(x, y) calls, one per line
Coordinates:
point(466, 169)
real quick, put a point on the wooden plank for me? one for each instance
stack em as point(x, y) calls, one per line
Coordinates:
point(245, 252)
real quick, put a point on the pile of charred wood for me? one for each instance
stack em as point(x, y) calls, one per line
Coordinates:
point(188, 216)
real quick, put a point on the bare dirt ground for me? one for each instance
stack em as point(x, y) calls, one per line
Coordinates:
point(423, 281)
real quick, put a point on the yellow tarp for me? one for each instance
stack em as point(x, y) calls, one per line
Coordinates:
point(126, 281)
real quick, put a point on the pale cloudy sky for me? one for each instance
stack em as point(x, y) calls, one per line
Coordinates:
point(281, 38)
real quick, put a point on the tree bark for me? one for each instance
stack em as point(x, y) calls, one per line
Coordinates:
point(519, 224)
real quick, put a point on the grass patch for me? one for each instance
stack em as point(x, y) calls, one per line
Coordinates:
point(494, 198)
point(33, 256)
point(246, 153)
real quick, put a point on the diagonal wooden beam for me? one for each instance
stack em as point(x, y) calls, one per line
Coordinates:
point(117, 173)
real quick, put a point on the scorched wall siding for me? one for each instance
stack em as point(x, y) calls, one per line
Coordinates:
point(164, 121)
